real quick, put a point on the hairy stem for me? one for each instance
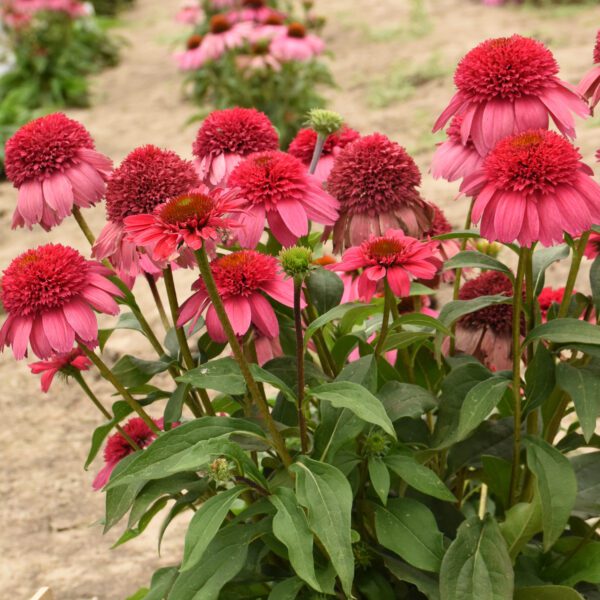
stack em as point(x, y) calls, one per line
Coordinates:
point(300, 362)
point(321, 139)
point(85, 228)
point(158, 301)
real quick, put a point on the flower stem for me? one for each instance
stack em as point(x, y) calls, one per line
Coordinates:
point(327, 363)
point(573, 272)
point(186, 354)
point(158, 301)
point(109, 376)
point(385, 323)
point(321, 139)
point(300, 362)
point(215, 298)
point(78, 377)
point(85, 228)
point(516, 383)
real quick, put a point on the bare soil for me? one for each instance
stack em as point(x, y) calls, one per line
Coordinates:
point(393, 61)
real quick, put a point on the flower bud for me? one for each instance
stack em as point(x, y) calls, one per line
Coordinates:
point(324, 122)
point(296, 261)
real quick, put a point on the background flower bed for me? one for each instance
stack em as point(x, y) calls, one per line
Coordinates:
point(46, 537)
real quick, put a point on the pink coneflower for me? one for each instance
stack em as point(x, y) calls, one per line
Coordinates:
point(454, 160)
point(187, 221)
point(255, 10)
point(59, 363)
point(224, 35)
point(533, 186)
point(189, 14)
point(589, 86)
point(146, 178)
point(394, 256)
point(117, 447)
point(509, 85)
point(592, 250)
point(257, 58)
point(241, 278)
point(487, 333)
point(296, 44)
point(192, 57)
point(226, 137)
point(50, 295)
point(273, 26)
point(376, 182)
point(275, 186)
point(53, 164)
point(303, 147)
point(267, 348)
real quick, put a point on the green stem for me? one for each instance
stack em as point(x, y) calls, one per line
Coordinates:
point(85, 228)
point(516, 382)
point(109, 376)
point(158, 301)
point(327, 363)
point(385, 324)
point(321, 139)
point(215, 298)
point(78, 377)
point(573, 272)
point(300, 362)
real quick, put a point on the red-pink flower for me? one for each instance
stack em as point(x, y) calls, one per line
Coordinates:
point(548, 297)
point(592, 250)
point(454, 160)
point(53, 164)
point(589, 86)
point(146, 178)
point(509, 85)
point(296, 44)
point(276, 186)
point(60, 363)
point(394, 256)
point(187, 221)
point(533, 186)
point(192, 57)
point(487, 333)
point(303, 147)
point(50, 295)
point(117, 447)
point(226, 137)
point(375, 181)
point(242, 279)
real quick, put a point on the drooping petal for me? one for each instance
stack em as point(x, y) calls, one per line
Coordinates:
point(399, 281)
point(263, 315)
point(60, 334)
point(239, 313)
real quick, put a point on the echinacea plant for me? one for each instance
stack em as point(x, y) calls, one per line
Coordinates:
point(355, 400)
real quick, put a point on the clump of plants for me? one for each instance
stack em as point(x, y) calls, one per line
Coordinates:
point(255, 54)
point(330, 426)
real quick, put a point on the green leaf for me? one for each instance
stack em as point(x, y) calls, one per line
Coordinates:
point(418, 476)
point(356, 398)
point(162, 581)
point(326, 494)
point(584, 565)
point(380, 478)
point(222, 375)
point(408, 528)
point(185, 448)
point(521, 523)
point(132, 371)
point(583, 385)
point(497, 474)
point(325, 288)
point(424, 582)
point(205, 524)
point(120, 409)
point(225, 558)
point(174, 406)
point(420, 320)
point(540, 378)
point(587, 472)
point(478, 260)
point(595, 282)
point(145, 520)
point(542, 259)
point(456, 309)
point(290, 527)
point(556, 486)
point(402, 400)
point(119, 499)
point(565, 331)
point(479, 403)
point(287, 589)
point(547, 592)
point(265, 376)
point(477, 564)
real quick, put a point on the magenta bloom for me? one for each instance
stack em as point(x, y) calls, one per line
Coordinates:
point(117, 447)
point(303, 147)
point(53, 164)
point(226, 137)
point(454, 160)
point(242, 279)
point(393, 256)
point(60, 363)
point(589, 86)
point(146, 178)
point(188, 221)
point(509, 85)
point(533, 186)
point(275, 186)
point(296, 44)
point(375, 181)
point(50, 295)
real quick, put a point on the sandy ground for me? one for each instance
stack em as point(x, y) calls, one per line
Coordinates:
point(49, 534)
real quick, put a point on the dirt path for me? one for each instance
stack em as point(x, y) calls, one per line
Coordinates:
point(48, 522)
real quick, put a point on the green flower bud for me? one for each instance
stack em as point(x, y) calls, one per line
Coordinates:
point(489, 248)
point(324, 122)
point(362, 555)
point(296, 261)
point(376, 445)
point(220, 471)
